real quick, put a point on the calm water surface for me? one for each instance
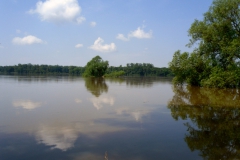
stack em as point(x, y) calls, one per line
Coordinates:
point(72, 118)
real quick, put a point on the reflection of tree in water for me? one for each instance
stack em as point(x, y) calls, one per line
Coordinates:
point(139, 81)
point(96, 86)
point(145, 81)
point(42, 78)
point(115, 80)
point(215, 117)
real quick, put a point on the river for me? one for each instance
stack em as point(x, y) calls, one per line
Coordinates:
point(61, 117)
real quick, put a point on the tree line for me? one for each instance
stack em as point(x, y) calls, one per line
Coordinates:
point(41, 69)
point(131, 69)
point(141, 69)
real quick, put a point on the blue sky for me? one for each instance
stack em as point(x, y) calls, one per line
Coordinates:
point(72, 32)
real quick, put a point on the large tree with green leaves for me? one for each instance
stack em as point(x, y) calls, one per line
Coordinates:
point(215, 62)
point(96, 67)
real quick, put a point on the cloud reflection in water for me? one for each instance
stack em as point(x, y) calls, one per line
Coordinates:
point(77, 100)
point(139, 114)
point(98, 102)
point(136, 114)
point(64, 135)
point(58, 137)
point(26, 104)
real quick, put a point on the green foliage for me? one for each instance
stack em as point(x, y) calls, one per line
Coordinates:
point(179, 66)
point(214, 63)
point(115, 74)
point(223, 78)
point(190, 68)
point(141, 69)
point(96, 67)
point(133, 69)
point(41, 69)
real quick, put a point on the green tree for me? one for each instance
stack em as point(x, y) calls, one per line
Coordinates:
point(219, 33)
point(190, 68)
point(115, 74)
point(96, 67)
point(215, 62)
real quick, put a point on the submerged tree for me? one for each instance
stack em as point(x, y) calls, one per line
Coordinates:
point(96, 67)
point(215, 62)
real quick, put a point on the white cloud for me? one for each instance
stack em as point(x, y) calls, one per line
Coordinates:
point(58, 11)
point(26, 104)
point(99, 46)
point(93, 24)
point(80, 20)
point(78, 45)
point(98, 102)
point(138, 33)
point(122, 37)
point(28, 40)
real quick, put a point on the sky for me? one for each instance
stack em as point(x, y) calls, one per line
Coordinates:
point(72, 32)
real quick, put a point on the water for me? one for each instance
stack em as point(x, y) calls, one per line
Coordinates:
point(132, 119)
